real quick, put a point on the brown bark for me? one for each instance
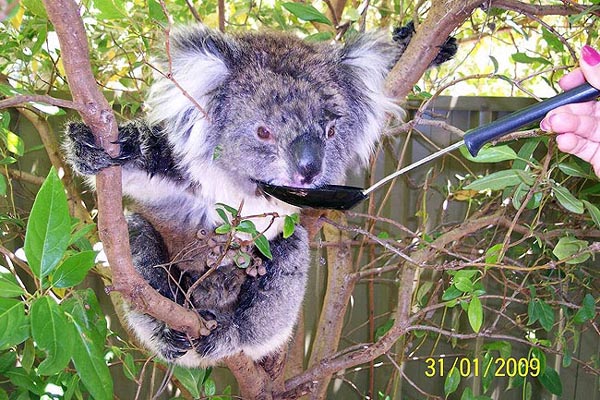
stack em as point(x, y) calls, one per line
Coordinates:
point(97, 114)
point(337, 296)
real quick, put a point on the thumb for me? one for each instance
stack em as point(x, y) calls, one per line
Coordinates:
point(590, 65)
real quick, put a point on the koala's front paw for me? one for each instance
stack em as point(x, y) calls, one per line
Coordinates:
point(81, 150)
point(447, 51)
point(403, 34)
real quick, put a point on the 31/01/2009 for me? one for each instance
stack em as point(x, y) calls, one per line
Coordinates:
point(499, 367)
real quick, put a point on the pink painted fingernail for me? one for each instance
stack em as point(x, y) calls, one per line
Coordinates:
point(590, 55)
point(544, 125)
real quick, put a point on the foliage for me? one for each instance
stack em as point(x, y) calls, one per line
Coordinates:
point(522, 288)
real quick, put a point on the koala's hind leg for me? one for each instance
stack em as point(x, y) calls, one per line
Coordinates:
point(150, 259)
point(270, 304)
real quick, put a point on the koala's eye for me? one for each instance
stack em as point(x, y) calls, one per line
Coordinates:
point(330, 131)
point(263, 133)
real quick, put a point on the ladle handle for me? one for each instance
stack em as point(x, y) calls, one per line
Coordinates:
point(477, 137)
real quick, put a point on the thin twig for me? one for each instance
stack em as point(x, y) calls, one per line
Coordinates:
point(38, 98)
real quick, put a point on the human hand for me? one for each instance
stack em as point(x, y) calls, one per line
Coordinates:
point(578, 125)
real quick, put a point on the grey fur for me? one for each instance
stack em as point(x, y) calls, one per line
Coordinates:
point(274, 109)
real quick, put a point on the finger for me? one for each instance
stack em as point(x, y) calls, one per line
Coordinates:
point(557, 120)
point(586, 126)
point(591, 108)
point(582, 148)
point(572, 79)
point(585, 149)
point(590, 65)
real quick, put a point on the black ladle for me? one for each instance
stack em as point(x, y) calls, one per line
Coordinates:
point(338, 197)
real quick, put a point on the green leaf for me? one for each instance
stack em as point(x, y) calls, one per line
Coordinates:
point(463, 284)
point(452, 381)
point(491, 154)
point(72, 271)
point(383, 329)
point(36, 7)
point(52, 334)
point(552, 40)
point(9, 286)
point(262, 244)
point(87, 228)
point(475, 313)
point(210, 388)
point(229, 209)
point(501, 179)
point(492, 254)
point(540, 355)
point(90, 365)
point(319, 37)
point(7, 361)
point(14, 324)
point(84, 308)
point(525, 154)
point(49, 227)
point(494, 63)
point(3, 185)
point(223, 215)
point(247, 226)
point(501, 346)
point(8, 160)
point(88, 339)
point(289, 226)
point(191, 379)
point(594, 212)
point(567, 247)
point(567, 200)
point(551, 381)
point(222, 229)
point(573, 169)
point(525, 59)
point(587, 311)
point(110, 9)
point(539, 310)
point(14, 143)
point(468, 395)
point(26, 380)
point(156, 12)
point(488, 366)
point(451, 293)
point(130, 369)
point(306, 12)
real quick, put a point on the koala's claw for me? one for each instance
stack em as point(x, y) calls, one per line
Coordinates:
point(178, 343)
point(86, 157)
point(122, 157)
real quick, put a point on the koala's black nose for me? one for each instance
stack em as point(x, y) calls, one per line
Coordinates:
point(307, 153)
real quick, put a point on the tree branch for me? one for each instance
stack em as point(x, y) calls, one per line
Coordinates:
point(37, 98)
point(97, 114)
point(533, 9)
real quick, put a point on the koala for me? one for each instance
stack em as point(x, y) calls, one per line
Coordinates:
point(234, 110)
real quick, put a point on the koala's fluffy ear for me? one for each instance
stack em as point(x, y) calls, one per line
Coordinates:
point(369, 58)
point(199, 59)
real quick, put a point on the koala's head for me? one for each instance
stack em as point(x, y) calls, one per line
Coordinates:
point(272, 108)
